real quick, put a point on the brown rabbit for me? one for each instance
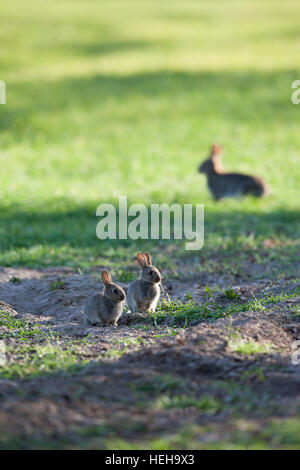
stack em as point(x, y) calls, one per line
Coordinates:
point(223, 184)
point(143, 293)
point(105, 309)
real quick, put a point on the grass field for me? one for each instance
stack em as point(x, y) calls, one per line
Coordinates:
point(110, 98)
point(124, 98)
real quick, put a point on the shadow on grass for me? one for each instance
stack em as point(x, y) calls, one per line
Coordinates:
point(109, 47)
point(243, 96)
point(68, 236)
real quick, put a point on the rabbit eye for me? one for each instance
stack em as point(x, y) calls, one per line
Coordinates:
point(116, 291)
point(150, 272)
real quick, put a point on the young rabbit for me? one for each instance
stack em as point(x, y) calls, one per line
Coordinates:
point(105, 309)
point(143, 294)
point(223, 184)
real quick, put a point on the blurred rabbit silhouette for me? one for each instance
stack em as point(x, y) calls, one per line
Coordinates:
point(222, 184)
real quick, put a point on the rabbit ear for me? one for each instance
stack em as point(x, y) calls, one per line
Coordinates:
point(106, 278)
point(216, 150)
point(148, 259)
point(141, 260)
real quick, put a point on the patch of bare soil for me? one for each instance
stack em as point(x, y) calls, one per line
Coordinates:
point(134, 371)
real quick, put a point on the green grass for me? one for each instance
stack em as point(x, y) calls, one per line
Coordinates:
point(296, 312)
point(159, 384)
point(231, 293)
point(281, 434)
point(183, 312)
point(38, 359)
point(57, 284)
point(15, 280)
point(18, 328)
point(124, 98)
point(206, 404)
point(241, 346)
point(255, 374)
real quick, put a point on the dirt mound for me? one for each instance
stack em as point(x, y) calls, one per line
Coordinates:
point(206, 348)
point(142, 377)
point(59, 294)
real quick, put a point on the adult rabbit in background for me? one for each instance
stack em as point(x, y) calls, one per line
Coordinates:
point(223, 184)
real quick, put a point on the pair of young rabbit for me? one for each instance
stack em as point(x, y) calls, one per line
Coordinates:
point(142, 295)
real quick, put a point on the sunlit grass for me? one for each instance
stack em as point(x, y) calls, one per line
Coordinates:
point(183, 312)
point(30, 360)
point(248, 347)
point(18, 328)
point(107, 99)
